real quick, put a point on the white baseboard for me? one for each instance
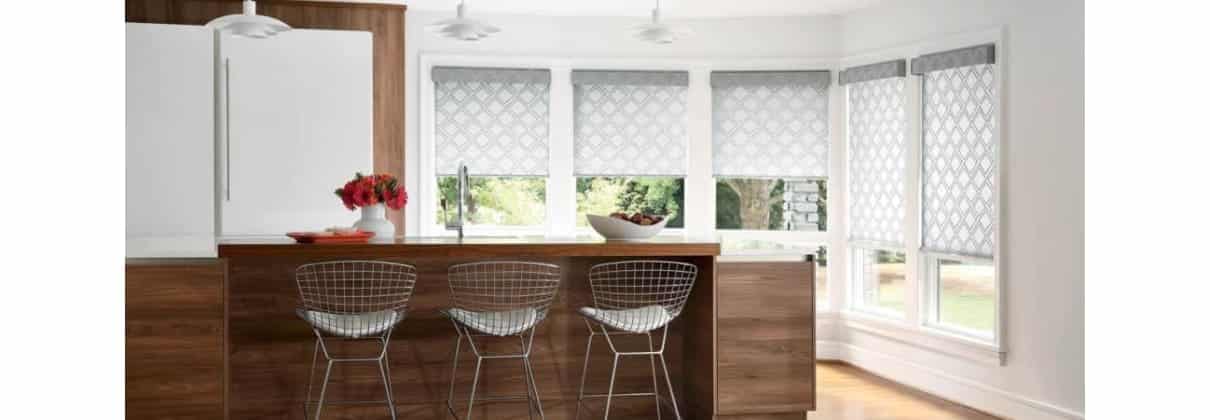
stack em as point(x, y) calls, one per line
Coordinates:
point(975, 395)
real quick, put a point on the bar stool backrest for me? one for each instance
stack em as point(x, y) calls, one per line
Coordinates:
point(643, 284)
point(355, 297)
point(517, 291)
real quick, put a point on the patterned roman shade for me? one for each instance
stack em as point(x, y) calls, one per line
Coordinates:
point(770, 124)
point(630, 123)
point(960, 160)
point(495, 120)
point(877, 153)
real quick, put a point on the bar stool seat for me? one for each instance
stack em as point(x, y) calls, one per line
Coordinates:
point(500, 324)
point(351, 325)
point(637, 320)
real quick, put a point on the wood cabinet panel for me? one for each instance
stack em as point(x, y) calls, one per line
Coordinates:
point(766, 346)
point(174, 339)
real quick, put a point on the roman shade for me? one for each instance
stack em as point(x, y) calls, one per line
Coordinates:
point(630, 123)
point(959, 154)
point(496, 120)
point(877, 154)
point(770, 124)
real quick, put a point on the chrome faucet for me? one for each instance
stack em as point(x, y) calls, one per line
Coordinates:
point(464, 184)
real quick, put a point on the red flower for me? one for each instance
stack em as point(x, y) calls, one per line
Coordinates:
point(396, 199)
point(364, 191)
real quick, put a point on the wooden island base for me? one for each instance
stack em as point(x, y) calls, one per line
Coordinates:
point(742, 349)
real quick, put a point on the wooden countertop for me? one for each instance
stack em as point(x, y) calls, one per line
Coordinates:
point(470, 247)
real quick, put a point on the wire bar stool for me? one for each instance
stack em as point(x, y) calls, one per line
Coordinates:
point(351, 301)
point(499, 299)
point(635, 298)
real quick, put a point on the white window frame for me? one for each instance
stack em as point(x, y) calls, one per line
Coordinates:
point(856, 292)
point(915, 328)
point(927, 261)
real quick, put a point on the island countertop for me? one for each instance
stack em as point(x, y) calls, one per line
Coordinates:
point(471, 247)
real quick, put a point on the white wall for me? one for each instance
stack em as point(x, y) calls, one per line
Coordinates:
point(1043, 244)
point(608, 38)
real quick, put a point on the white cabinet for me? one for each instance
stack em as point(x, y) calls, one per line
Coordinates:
point(170, 166)
point(299, 118)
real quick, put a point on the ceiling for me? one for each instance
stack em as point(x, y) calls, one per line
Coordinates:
point(672, 9)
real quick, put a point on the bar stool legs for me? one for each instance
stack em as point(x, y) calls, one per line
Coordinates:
point(651, 353)
point(531, 387)
point(384, 372)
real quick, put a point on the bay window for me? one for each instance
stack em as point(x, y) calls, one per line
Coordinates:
point(877, 153)
point(959, 192)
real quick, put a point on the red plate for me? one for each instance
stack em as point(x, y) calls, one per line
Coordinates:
point(331, 238)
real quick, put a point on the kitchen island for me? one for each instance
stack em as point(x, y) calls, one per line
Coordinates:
point(268, 348)
point(219, 338)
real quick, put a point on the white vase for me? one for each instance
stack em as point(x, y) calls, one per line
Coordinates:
point(374, 219)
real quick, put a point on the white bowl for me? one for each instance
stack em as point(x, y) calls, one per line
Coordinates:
point(618, 229)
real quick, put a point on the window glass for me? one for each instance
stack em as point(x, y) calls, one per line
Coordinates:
point(662, 196)
point(879, 280)
point(771, 204)
point(495, 201)
point(966, 295)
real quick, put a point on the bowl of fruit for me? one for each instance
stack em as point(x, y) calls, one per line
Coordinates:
point(621, 226)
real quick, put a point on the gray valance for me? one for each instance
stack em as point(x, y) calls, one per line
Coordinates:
point(883, 70)
point(491, 75)
point(630, 77)
point(814, 78)
point(969, 56)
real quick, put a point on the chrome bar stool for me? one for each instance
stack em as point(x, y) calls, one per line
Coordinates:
point(499, 300)
point(353, 301)
point(635, 298)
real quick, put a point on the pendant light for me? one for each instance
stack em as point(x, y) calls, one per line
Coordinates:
point(463, 28)
point(659, 32)
point(249, 24)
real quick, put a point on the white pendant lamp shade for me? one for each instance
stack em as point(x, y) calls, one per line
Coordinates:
point(659, 32)
point(463, 28)
point(249, 24)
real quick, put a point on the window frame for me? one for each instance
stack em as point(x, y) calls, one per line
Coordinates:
point(927, 274)
point(855, 290)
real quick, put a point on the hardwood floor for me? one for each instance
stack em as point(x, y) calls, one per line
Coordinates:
point(848, 393)
point(845, 393)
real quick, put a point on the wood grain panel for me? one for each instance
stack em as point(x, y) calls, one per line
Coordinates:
point(385, 21)
point(271, 349)
point(174, 339)
point(766, 330)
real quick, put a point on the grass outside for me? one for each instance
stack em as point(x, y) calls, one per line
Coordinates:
point(967, 294)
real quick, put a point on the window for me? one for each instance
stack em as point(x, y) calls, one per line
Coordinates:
point(497, 122)
point(771, 204)
point(963, 297)
point(959, 165)
point(770, 149)
point(495, 202)
point(880, 281)
point(650, 195)
point(877, 159)
point(631, 147)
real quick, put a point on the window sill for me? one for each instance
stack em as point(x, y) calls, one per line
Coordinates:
point(922, 337)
